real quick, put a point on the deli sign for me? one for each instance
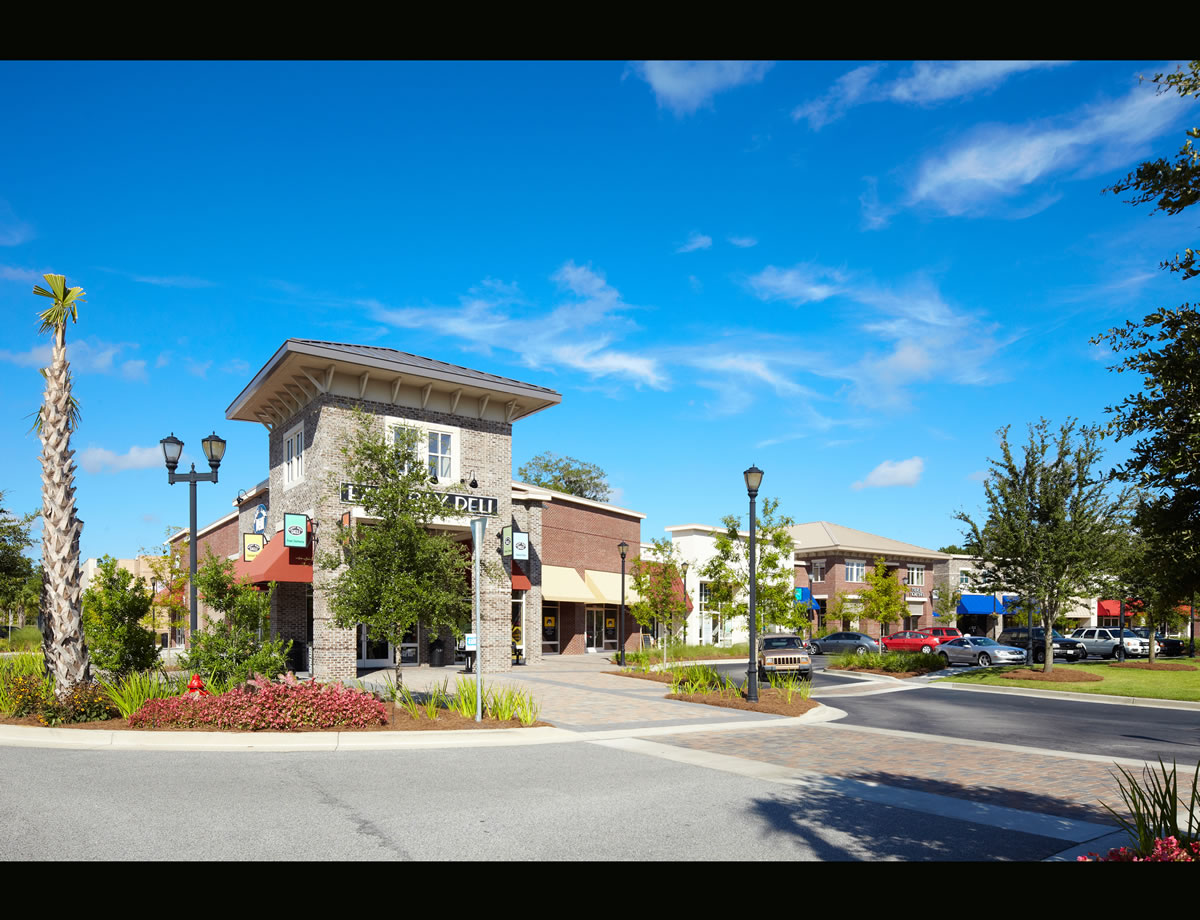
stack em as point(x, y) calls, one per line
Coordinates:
point(353, 494)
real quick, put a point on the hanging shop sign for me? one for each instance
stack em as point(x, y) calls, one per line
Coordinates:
point(260, 519)
point(353, 494)
point(520, 546)
point(470, 643)
point(252, 545)
point(506, 537)
point(295, 530)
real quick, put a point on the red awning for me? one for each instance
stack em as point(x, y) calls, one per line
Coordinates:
point(1113, 608)
point(520, 581)
point(277, 562)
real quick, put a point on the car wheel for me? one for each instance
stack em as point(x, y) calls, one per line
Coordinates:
point(926, 649)
point(1039, 656)
point(814, 649)
point(1119, 653)
point(762, 676)
point(945, 658)
point(860, 651)
point(1083, 655)
point(984, 659)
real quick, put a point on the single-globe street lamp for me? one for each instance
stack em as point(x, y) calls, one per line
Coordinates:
point(622, 548)
point(214, 451)
point(753, 477)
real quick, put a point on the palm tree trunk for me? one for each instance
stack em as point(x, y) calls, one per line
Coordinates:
point(63, 642)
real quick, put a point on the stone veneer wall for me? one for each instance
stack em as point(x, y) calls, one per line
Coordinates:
point(527, 516)
point(485, 448)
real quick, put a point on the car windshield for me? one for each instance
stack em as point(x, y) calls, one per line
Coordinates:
point(1130, 634)
point(983, 640)
point(786, 642)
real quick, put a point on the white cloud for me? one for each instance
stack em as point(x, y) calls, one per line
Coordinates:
point(743, 242)
point(177, 281)
point(84, 355)
point(198, 368)
point(755, 366)
point(893, 473)
point(102, 460)
point(13, 230)
point(685, 86)
point(803, 283)
point(235, 366)
point(695, 241)
point(26, 275)
point(926, 82)
point(999, 161)
point(847, 91)
point(134, 370)
point(935, 81)
point(875, 215)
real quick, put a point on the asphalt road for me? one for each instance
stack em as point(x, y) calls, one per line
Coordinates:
point(1107, 729)
point(579, 801)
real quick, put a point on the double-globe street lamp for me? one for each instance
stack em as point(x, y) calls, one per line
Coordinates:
point(622, 548)
point(214, 450)
point(753, 477)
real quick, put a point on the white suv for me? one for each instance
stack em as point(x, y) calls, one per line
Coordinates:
point(1104, 643)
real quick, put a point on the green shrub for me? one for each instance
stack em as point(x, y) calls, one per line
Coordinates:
point(463, 701)
point(1154, 808)
point(528, 709)
point(24, 639)
point(86, 702)
point(22, 694)
point(115, 606)
point(893, 662)
point(129, 693)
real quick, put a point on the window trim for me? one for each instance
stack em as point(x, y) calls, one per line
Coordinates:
point(860, 567)
point(393, 422)
point(296, 433)
point(909, 569)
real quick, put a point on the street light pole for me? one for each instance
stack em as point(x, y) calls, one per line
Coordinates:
point(478, 526)
point(753, 477)
point(622, 548)
point(214, 451)
point(683, 568)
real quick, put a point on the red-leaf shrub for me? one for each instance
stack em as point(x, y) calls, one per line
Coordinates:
point(260, 705)
point(1166, 849)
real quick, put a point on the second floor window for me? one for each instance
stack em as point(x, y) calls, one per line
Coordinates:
point(439, 455)
point(964, 580)
point(916, 575)
point(856, 570)
point(293, 457)
point(818, 571)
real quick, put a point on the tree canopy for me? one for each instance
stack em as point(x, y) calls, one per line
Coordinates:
point(655, 575)
point(1053, 529)
point(116, 617)
point(566, 474)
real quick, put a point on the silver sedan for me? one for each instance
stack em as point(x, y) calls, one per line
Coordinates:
point(981, 651)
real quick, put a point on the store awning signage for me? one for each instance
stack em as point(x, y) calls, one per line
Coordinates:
point(564, 584)
point(520, 581)
point(277, 562)
point(295, 530)
point(606, 586)
point(354, 493)
point(979, 604)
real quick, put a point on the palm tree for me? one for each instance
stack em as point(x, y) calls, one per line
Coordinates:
point(62, 631)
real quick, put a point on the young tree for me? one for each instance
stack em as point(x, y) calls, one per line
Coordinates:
point(1164, 348)
point(15, 567)
point(883, 599)
point(1052, 530)
point(728, 571)
point(170, 571)
point(233, 648)
point(397, 570)
point(1142, 578)
point(946, 597)
point(566, 474)
point(841, 609)
point(116, 614)
point(654, 577)
point(65, 649)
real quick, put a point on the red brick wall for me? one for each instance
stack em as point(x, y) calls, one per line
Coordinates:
point(587, 538)
point(835, 583)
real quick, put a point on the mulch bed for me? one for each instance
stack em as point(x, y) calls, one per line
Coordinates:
point(397, 720)
point(900, 674)
point(770, 700)
point(656, 676)
point(1054, 677)
point(1157, 666)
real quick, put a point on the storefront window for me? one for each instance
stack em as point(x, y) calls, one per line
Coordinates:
point(550, 627)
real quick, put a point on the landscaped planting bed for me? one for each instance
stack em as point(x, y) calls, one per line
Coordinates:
point(703, 684)
point(889, 664)
point(1112, 679)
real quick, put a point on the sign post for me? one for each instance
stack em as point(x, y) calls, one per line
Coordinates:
point(478, 526)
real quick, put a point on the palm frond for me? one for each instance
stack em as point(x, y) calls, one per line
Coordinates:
point(66, 302)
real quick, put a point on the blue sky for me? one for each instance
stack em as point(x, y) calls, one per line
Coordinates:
point(851, 274)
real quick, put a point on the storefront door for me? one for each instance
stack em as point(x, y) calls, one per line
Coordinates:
point(595, 629)
point(372, 653)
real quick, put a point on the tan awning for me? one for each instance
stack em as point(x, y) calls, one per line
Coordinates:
point(607, 587)
point(564, 584)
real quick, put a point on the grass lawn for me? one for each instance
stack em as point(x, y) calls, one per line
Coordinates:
point(1162, 685)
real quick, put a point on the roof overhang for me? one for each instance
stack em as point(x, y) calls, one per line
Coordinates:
point(301, 370)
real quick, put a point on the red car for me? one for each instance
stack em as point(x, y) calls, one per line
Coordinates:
point(909, 641)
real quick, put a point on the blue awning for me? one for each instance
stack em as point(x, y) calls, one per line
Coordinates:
point(979, 604)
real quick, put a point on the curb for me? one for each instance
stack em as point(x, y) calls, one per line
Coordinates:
point(1105, 698)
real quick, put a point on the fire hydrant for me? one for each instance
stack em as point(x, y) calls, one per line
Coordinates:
point(196, 687)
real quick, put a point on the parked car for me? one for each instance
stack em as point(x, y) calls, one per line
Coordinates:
point(783, 655)
point(979, 650)
point(1104, 642)
point(941, 633)
point(834, 643)
point(1064, 647)
point(909, 641)
point(1163, 645)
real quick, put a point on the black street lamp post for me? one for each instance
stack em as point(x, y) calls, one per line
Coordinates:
point(683, 569)
point(214, 450)
point(622, 548)
point(753, 477)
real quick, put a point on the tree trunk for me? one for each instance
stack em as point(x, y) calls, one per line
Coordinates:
point(63, 641)
point(1048, 662)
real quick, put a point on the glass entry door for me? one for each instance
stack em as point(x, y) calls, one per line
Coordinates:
point(373, 653)
point(595, 628)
